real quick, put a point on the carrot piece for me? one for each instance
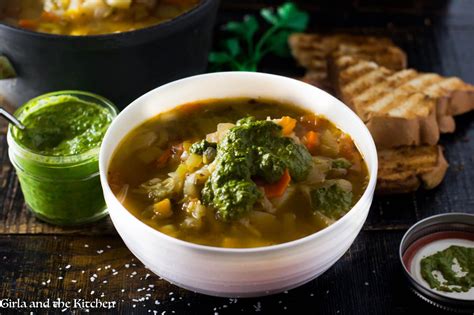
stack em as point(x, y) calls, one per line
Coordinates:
point(349, 151)
point(49, 17)
point(346, 147)
point(311, 140)
point(288, 124)
point(25, 23)
point(277, 189)
point(164, 158)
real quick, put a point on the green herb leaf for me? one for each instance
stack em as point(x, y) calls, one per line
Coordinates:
point(219, 57)
point(242, 51)
point(233, 46)
point(245, 29)
point(279, 44)
point(269, 16)
point(292, 18)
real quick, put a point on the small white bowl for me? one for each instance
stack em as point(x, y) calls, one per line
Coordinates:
point(238, 272)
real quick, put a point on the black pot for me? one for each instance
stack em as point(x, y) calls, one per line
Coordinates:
point(118, 66)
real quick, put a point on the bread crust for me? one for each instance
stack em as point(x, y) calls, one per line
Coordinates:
point(406, 112)
point(416, 107)
point(405, 169)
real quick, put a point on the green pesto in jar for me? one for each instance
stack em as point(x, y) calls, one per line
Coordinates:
point(446, 262)
point(64, 125)
point(56, 156)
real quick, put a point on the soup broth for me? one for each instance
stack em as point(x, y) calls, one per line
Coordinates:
point(238, 173)
point(90, 17)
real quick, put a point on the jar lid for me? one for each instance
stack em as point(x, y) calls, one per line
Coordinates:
point(428, 237)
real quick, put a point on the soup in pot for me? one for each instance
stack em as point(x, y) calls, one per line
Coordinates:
point(91, 17)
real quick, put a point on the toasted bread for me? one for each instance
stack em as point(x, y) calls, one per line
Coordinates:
point(400, 107)
point(405, 169)
point(312, 50)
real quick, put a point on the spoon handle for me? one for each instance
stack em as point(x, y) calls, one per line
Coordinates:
point(11, 118)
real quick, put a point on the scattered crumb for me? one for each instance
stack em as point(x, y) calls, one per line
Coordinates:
point(258, 307)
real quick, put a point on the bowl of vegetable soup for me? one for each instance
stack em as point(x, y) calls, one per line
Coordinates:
point(116, 48)
point(238, 184)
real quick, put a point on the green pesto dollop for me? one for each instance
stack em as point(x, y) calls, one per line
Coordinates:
point(332, 201)
point(253, 148)
point(443, 262)
point(64, 125)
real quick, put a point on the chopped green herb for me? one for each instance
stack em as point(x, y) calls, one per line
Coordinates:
point(201, 146)
point(242, 51)
point(251, 148)
point(443, 262)
point(341, 163)
point(332, 201)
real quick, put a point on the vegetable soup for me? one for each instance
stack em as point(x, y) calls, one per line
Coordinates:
point(90, 17)
point(238, 173)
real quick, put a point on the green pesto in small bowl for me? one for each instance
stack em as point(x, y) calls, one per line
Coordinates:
point(56, 156)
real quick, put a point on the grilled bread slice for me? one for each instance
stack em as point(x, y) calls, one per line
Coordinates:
point(405, 169)
point(400, 107)
point(312, 50)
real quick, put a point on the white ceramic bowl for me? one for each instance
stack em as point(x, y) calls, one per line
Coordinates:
point(238, 272)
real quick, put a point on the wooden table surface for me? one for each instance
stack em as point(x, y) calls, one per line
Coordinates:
point(40, 262)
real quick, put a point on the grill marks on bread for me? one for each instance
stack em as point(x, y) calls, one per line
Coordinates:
point(406, 169)
point(405, 110)
point(312, 51)
point(415, 106)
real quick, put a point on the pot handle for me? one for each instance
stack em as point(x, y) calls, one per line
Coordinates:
point(6, 69)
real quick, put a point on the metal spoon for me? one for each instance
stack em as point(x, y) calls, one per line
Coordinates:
point(11, 119)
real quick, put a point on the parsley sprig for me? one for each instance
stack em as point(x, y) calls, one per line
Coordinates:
point(243, 51)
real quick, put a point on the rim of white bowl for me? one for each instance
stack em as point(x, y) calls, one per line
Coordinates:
point(103, 167)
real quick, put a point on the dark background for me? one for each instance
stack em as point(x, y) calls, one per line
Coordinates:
point(438, 36)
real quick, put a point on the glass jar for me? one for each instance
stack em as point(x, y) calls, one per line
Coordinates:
point(61, 190)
